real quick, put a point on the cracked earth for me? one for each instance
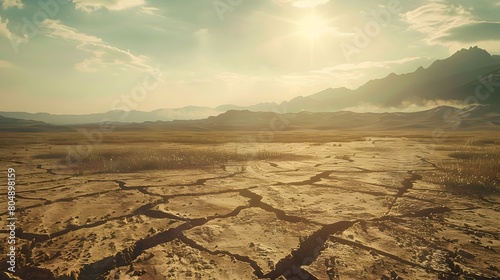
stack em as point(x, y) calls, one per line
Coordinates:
point(372, 215)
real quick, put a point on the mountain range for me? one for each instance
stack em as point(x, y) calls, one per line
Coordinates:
point(473, 117)
point(21, 125)
point(470, 76)
point(447, 118)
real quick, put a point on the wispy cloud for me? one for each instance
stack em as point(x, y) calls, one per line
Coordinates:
point(474, 32)
point(102, 55)
point(353, 75)
point(350, 75)
point(12, 4)
point(113, 5)
point(436, 19)
point(4, 30)
point(367, 65)
point(12, 37)
point(152, 11)
point(55, 28)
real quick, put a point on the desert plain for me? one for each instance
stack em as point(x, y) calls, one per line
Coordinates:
point(303, 205)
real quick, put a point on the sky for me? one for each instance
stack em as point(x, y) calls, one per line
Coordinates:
point(90, 56)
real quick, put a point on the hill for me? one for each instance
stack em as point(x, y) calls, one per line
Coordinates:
point(475, 117)
point(20, 125)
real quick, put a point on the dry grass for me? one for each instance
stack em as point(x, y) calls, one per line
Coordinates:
point(344, 157)
point(482, 141)
point(52, 155)
point(473, 170)
point(142, 159)
point(8, 158)
point(148, 135)
point(183, 137)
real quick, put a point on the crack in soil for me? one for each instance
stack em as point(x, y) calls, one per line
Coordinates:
point(431, 163)
point(99, 269)
point(290, 266)
point(312, 246)
point(307, 252)
point(314, 179)
point(380, 252)
point(44, 181)
point(257, 270)
point(256, 201)
point(198, 182)
point(374, 193)
point(273, 164)
point(406, 184)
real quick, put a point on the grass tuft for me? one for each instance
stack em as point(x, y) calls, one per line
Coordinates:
point(344, 157)
point(473, 171)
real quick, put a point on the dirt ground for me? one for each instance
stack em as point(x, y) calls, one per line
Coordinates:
point(350, 210)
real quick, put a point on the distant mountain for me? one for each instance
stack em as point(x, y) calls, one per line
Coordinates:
point(454, 79)
point(261, 107)
point(469, 76)
point(186, 113)
point(19, 125)
point(474, 117)
point(484, 117)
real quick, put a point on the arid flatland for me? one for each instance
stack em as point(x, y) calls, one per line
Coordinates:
point(322, 205)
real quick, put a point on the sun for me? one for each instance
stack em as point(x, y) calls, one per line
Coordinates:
point(312, 27)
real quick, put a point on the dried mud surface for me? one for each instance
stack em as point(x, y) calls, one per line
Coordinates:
point(368, 215)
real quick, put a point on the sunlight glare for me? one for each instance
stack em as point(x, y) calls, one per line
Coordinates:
point(312, 27)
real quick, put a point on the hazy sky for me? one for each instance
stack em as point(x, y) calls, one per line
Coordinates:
point(84, 56)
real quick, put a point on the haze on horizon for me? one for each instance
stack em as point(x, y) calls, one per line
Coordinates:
point(84, 56)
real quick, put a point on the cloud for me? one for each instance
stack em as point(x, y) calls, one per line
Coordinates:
point(366, 65)
point(152, 11)
point(405, 106)
point(437, 19)
point(12, 3)
point(4, 30)
point(55, 28)
point(102, 55)
point(474, 32)
point(14, 39)
point(353, 75)
point(290, 85)
point(112, 5)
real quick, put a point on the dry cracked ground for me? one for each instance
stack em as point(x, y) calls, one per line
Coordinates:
point(351, 210)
